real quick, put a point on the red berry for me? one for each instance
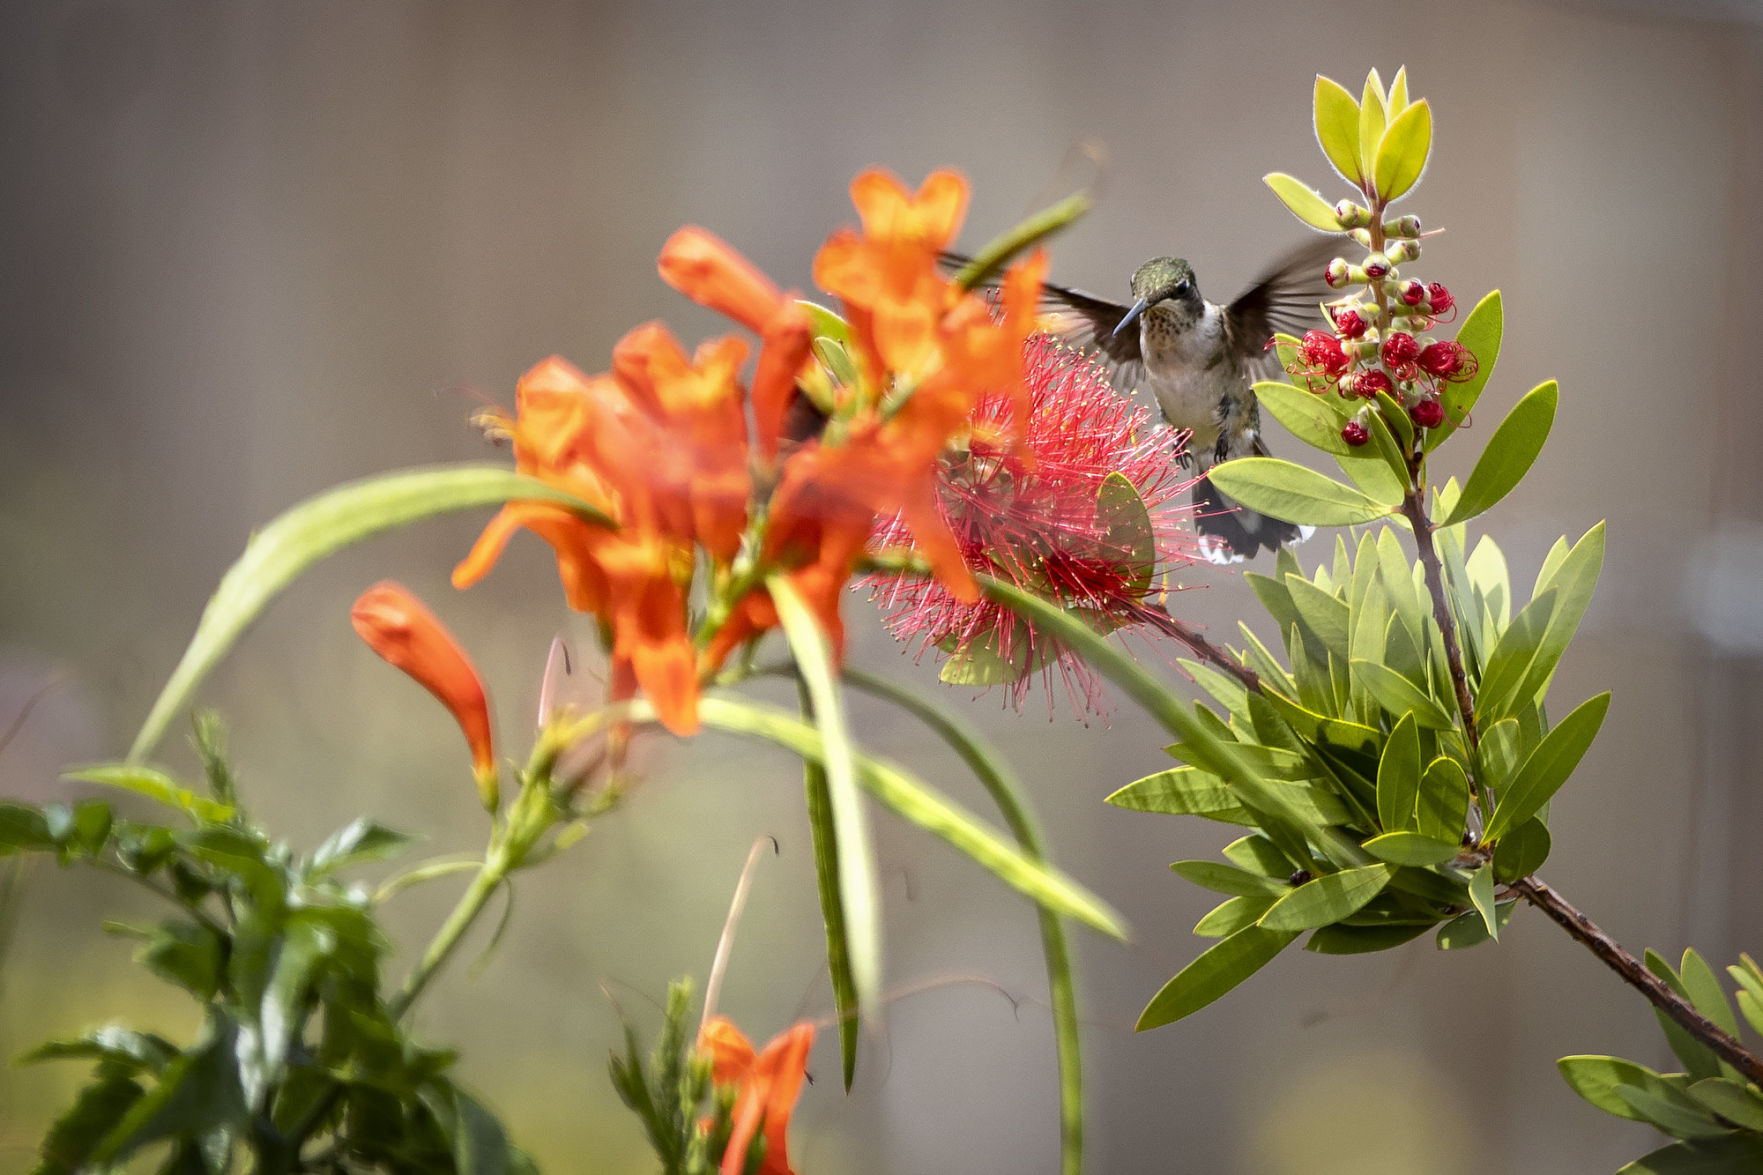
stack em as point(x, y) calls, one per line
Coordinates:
point(1400, 349)
point(1427, 413)
point(1350, 324)
point(1354, 433)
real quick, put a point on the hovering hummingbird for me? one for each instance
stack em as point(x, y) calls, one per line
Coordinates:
point(1199, 360)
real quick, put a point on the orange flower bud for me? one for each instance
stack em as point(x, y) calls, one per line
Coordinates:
point(707, 270)
point(397, 626)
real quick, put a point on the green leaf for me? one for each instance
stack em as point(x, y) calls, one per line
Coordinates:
point(1232, 915)
point(1572, 582)
point(1402, 153)
point(1323, 613)
point(1257, 854)
point(1411, 848)
point(1214, 973)
point(913, 801)
point(1293, 493)
point(1737, 1103)
point(1481, 895)
point(1020, 237)
point(1361, 940)
point(94, 1113)
point(1522, 851)
point(126, 1048)
point(1730, 1154)
point(1398, 96)
point(1309, 417)
point(1373, 116)
point(23, 829)
point(322, 525)
point(1372, 475)
point(1675, 1114)
point(186, 954)
point(1327, 899)
point(1480, 333)
point(1469, 929)
point(197, 1092)
point(1189, 791)
point(1697, 1057)
point(1508, 666)
point(1596, 1078)
point(1398, 695)
point(1127, 537)
point(357, 842)
point(1226, 879)
point(1548, 767)
point(1443, 804)
point(1509, 454)
point(1337, 128)
point(832, 913)
point(1398, 776)
point(1303, 201)
point(155, 785)
point(980, 663)
point(859, 891)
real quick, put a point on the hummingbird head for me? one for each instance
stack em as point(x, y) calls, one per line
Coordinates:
point(1161, 279)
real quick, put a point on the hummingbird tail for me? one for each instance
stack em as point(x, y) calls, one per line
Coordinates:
point(1231, 532)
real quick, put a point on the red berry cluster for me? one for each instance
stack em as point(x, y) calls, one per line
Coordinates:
point(1379, 342)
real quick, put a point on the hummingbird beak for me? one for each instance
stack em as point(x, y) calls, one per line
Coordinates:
point(1132, 316)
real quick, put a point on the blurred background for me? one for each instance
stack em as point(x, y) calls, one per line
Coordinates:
point(250, 250)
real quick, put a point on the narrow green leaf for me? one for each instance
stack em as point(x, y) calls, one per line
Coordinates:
point(1509, 454)
point(859, 889)
point(1323, 613)
point(1373, 116)
point(1444, 800)
point(1232, 915)
point(1214, 973)
point(155, 785)
point(1573, 581)
point(1729, 1154)
point(825, 323)
point(1008, 794)
point(1303, 201)
point(915, 802)
point(1522, 851)
point(359, 841)
point(1225, 689)
point(1732, 1100)
point(1342, 939)
point(825, 839)
point(1676, 1114)
point(1548, 767)
point(1398, 97)
point(1596, 1078)
point(1469, 930)
point(1481, 895)
point(1399, 696)
point(1480, 333)
point(1398, 776)
point(1327, 899)
point(322, 525)
point(1411, 848)
point(1309, 417)
point(1021, 237)
point(1337, 128)
point(1402, 153)
point(1226, 879)
point(1294, 493)
point(1509, 664)
point(1700, 1060)
point(1257, 854)
point(1188, 791)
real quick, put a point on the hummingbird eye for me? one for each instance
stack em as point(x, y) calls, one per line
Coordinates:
point(1181, 288)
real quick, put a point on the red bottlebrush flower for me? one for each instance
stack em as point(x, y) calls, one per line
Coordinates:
point(397, 626)
point(1350, 324)
point(1413, 293)
point(1427, 413)
point(1399, 350)
point(1440, 302)
point(1321, 360)
point(1449, 361)
point(1050, 526)
point(1354, 433)
point(1367, 384)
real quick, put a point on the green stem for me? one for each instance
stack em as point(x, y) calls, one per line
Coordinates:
point(446, 940)
point(1061, 985)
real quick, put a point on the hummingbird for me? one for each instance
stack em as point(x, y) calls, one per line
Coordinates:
point(1199, 360)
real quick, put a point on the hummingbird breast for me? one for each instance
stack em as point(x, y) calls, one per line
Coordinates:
point(1191, 371)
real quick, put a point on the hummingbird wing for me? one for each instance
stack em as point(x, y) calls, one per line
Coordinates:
point(1087, 323)
point(1284, 299)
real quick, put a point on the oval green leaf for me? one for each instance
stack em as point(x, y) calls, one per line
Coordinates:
point(1410, 848)
point(1303, 201)
point(1294, 493)
point(1548, 766)
point(1337, 128)
point(1308, 416)
point(1522, 851)
point(1373, 115)
point(1595, 1079)
point(1398, 776)
point(1481, 334)
point(1327, 899)
point(1402, 154)
point(1732, 1153)
point(1214, 973)
point(321, 526)
point(1509, 454)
